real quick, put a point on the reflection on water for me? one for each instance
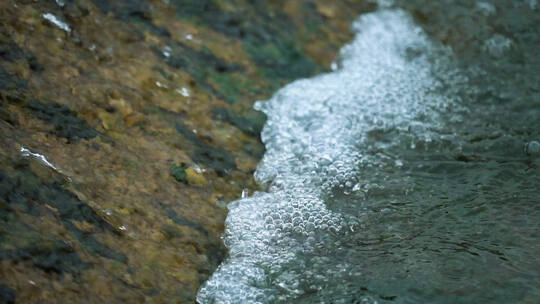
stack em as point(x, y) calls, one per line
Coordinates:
point(401, 177)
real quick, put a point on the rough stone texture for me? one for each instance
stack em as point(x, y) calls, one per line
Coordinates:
point(144, 108)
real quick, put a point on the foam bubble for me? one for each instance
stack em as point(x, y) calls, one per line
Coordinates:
point(319, 137)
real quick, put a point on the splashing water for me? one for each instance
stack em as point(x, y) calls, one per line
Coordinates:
point(384, 185)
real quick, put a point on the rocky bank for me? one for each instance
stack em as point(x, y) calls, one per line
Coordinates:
point(127, 126)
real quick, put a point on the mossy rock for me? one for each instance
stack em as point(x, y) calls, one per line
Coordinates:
point(179, 173)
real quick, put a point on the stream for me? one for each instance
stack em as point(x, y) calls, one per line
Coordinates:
point(395, 178)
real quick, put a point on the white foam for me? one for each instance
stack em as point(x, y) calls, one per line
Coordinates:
point(54, 20)
point(317, 139)
point(43, 160)
point(27, 153)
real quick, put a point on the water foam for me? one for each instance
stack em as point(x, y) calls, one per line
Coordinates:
point(319, 138)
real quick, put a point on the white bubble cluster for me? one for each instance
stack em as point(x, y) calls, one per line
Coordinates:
point(497, 45)
point(318, 136)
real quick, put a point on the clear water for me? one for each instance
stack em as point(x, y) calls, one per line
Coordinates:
point(390, 180)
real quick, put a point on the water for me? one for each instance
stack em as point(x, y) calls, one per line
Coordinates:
point(392, 179)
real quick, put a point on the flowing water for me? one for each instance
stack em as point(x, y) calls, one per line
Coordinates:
point(392, 179)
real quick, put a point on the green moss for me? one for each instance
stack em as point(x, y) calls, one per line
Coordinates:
point(179, 173)
point(11, 52)
point(313, 21)
point(20, 242)
point(64, 121)
point(214, 251)
point(269, 36)
point(220, 160)
point(250, 123)
point(195, 10)
point(16, 234)
point(8, 116)
point(231, 87)
point(203, 66)
point(179, 220)
point(54, 257)
point(134, 12)
point(170, 232)
point(26, 192)
point(9, 82)
point(280, 59)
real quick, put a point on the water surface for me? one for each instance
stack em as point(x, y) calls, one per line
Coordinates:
point(397, 178)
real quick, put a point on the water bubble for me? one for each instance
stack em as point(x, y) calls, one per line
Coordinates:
point(486, 8)
point(166, 51)
point(532, 148)
point(497, 45)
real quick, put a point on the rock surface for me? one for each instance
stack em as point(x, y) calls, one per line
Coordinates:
point(126, 126)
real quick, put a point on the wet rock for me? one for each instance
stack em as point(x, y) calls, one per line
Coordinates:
point(27, 193)
point(72, 10)
point(204, 66)
point(113, 102)
point(215, 158)
point(273, 50)
point(252, 127)
point(138, 12)
point(64, 121)
point(218, 159)
point(59, 258)
point(7, 295)
point(9, 82)
point(169, 211)
point(10, 51)
point(8, 116)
